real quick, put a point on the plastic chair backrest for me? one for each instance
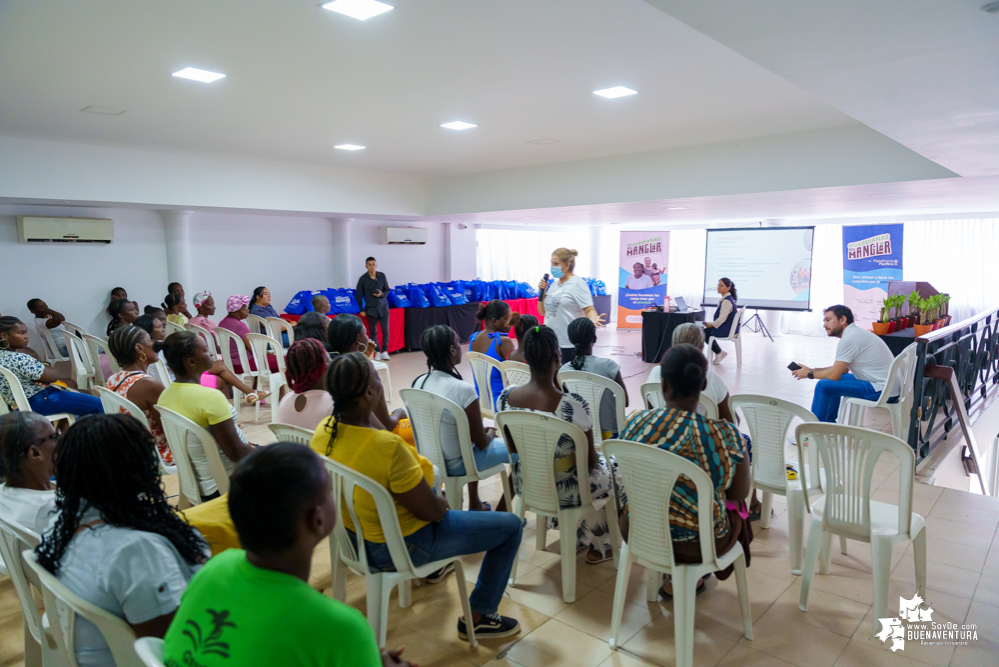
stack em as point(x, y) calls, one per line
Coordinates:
point(173, 327)
point(207, 336)
point(150, 651)
point(346, 483)
point(279, 326)
point(52, 353)
point(115, 403)
point(425, 409)
point(79, 357)
point(20, 400)
point(260, 344)
point(291, 433)
point(482, 367)
point(907, 387)
point(64, 605)
point(535, 436)
point(901, 374)
point(258, 325)
point(592, 387)
point(652, 394)
point(768, 420)
point(74, 329)
point(848, 455)
point(160, 370)
point(96, 347)
point(13, 540)
point(178, 429)
point(649, 474)
point(517, 373)
point(226, 339)
point(706, 406)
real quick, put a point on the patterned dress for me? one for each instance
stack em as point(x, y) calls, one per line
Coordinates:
point(120, 383)
point(28, 371)
point(714, 445)
point(574, 409)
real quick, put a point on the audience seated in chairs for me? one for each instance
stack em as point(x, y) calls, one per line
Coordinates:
point(177, 290)
point(260, 304)
point(27, 444)
point(119, 293)
point(542, 394)
point(258, 602)
point(36, 378)
point(188, 357)
point(716, 389)
point(122, 312)
point(520, 327)
point(237, 306)
point(117, 542)
point(204, 303)
point(308, 402)
point(135, 351)
point(583, 336)
point(443, 349)
point(493, 340)
point(429, 528)
point(321, 304)
point(715, 445)
point(314, 325)
point(46, 318)
point(175, 309)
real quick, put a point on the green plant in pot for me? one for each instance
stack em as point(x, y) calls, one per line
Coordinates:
point(914, 299)
point(882, 326)
point(945, 306)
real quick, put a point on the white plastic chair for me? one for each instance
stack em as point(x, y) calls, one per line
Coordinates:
point(768, 420)
point(901, 372)
point(96, 347)
point(652, 394)
point(536, 437)
point(735, 335)
point(39, 646)
point(517, 373)
point(482, 368)
point(592, 387)
point(649, 475)
point(74, 329)
point(274, 380)
point(160, 370)
point(52, 353)
point(383, 373)
point(21, 400)
point(344, 554)
point(62, 607)
point(150, 651)
point(259, 325)
point(425, 409)
point(279, 326)
point(115, 403)
point(179, 431)
point(248, 376)
point(291, 433)
point(79, 359)
point(210, 340)
point(173, 327)
point(848, 455)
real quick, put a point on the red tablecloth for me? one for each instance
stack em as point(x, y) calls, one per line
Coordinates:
point(524, 307)
point(397, 327)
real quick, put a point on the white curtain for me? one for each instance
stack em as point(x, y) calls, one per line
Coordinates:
point(958, 257)
point(525, 255)
point(827, 282)
point(686, 265)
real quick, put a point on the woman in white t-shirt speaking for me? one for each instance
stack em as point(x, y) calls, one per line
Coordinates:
point(565, 299)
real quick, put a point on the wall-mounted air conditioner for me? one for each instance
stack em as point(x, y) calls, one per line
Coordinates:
point(32, 229)
point(404, 236)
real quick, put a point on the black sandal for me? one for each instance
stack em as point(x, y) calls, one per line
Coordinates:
point(697, 591)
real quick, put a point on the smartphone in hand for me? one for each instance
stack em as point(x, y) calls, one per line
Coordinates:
point(793, 366)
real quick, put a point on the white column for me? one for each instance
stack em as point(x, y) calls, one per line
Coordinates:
point(177, 225)
point(340, 255)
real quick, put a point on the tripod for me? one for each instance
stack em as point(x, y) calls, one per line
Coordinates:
point(757, 322)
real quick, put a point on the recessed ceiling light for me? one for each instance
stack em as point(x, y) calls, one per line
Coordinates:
point(350, 147)
point(677, 208)
point(362, 10)
point(616, 91)
point(199, 75)
point(459, 125)
point(104, 111)
point(544, 142)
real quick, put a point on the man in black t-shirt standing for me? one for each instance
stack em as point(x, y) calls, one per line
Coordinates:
point(372, 292)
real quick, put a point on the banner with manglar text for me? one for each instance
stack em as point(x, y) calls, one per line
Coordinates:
point(872, 256)
point(642, 275)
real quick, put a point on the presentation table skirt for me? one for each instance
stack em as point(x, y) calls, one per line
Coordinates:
point(397, 329)
point(897, 342)
point(657, 331)
point(460, 318)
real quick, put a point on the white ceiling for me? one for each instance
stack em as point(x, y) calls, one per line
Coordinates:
point(301, 79)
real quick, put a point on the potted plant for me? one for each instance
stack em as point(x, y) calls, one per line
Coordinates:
point(882, 326)
point(913, 307)
point(946, 309)
point(922, 328)
point(896, 304)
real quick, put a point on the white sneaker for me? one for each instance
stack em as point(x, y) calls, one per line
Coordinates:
point(718, 357)
point(384, 356)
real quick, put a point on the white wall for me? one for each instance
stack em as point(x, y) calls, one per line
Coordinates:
point(76, 280)
point(402, 264)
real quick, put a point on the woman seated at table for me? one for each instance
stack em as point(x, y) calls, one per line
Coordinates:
point(714, 445)
point(521, 326)
point(443, 349)
point(347, 334)
point(36, 378)
point(234, 322)
point(542, 394)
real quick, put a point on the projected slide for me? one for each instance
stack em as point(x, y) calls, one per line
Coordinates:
point(771, 267)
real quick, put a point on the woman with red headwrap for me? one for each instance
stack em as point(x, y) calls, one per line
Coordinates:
point(308, 403)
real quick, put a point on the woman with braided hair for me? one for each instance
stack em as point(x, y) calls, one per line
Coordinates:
point(135, 351)
point(542, 394)
point(583, 336)
point(430, 530)
point(443, 349)
point(521, 325)
point(122, 312)
point(493, 341)
point(116, 541)
point(27, 444)
point(308, 403)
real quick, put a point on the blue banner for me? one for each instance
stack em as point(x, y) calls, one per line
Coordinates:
point(872, 256)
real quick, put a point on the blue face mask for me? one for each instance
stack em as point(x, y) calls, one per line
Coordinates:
point(556, 272)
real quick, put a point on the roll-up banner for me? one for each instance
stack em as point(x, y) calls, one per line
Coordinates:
point(872, 256)
point(642, 275)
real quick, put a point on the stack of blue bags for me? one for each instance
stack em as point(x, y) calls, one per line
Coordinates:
point(341, 301)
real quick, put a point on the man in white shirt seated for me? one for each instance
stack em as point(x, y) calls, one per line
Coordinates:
point(46, 318)
point(27, 443)
point(860, 352)
point(640, 280)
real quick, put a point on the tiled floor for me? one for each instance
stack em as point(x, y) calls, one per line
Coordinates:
point(962, 571)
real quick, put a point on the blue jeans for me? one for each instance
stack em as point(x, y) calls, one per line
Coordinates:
point(825, 402)
point(52, 401)
point(459, 534)
point(492, 455)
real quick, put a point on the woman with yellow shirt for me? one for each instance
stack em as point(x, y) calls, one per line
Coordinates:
point(432, 532)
